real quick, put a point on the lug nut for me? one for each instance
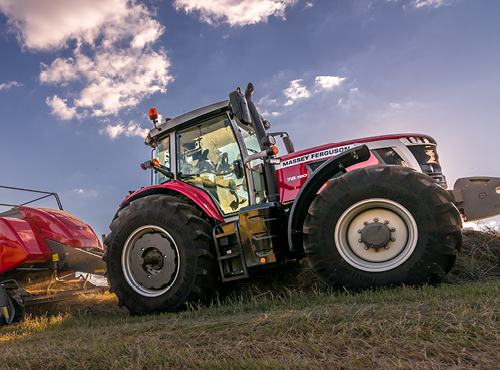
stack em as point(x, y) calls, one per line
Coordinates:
point(375, 219)
point(386, 222)
point(360, 240)
point(393, 230)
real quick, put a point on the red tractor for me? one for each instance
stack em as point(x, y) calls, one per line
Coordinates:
point(36, 244)
point(222, 206)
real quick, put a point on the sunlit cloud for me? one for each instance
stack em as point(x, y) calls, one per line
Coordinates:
point(60, 108)
point(113, 65)
point(431, 3)
point(295, 92)
point(328, 82)
point(49, 25)
point(234, 12)
point(298, 91)
point(132, 129)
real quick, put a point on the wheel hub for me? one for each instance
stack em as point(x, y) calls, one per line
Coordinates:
point(376, 235)
point(369, 244)
point(150, 260)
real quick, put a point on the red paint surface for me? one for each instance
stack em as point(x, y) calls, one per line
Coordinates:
point(62, 227)
point(21, 242)
point(350, 142)
point(289, 188)
point(201, 198)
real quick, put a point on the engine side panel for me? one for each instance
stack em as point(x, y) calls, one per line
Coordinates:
point(295, 168)
point(293, 173)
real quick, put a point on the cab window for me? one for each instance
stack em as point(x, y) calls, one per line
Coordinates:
point(205, 156)
point(162, 153)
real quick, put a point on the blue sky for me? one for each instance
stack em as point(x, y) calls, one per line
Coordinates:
point(78, 77)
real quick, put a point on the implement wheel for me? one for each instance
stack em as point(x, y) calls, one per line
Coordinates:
point(382, 225)
point(158, 256)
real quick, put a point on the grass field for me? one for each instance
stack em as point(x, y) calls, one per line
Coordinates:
point(285, 321)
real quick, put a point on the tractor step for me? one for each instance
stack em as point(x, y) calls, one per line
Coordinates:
point(229, 252)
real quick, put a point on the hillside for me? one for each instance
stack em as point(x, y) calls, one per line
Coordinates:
point(287, 321)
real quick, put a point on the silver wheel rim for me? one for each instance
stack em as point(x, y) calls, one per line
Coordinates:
point(374, 212)
point(150, 261)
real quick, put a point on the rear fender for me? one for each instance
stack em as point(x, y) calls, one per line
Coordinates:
point(312, 186)
point(477, 197)
point(173, 187)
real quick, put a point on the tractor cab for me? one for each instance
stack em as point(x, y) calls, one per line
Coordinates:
point(210, 154)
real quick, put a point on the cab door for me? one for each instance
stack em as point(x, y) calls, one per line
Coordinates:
point(206, 155)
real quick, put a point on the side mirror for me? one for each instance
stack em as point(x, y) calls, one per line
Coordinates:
point(157, 167)
point(238, 168)
point(239, 106)
point(288, 144)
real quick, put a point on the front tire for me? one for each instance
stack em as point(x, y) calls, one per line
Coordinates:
point(382, 225)
point(158, 256)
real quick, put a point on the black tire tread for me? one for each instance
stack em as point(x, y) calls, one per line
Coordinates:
point(197, 284)
point(440, 256)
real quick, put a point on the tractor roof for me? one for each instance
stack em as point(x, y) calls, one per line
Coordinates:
point(185, 120)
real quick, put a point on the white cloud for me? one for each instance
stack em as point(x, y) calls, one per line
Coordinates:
point(86, 193)
point(266, 101)
point(431, 3)
point(133, 129)
point(8, 85)
point(234, 12)
point(328, 82)
point(113, 64)
point(61, 71)
point(295, 92)
point(60, 108)
point(117, 79)
point(353, 100)
point(44, 25)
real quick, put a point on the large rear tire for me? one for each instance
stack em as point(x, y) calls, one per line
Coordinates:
point(158, 256)
point(382, 225)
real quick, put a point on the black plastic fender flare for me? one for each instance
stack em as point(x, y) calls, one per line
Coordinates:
point(311, 187)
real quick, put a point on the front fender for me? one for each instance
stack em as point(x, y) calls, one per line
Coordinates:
point(173, 187)
point(311, 187)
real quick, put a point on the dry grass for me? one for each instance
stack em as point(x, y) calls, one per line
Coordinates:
point(479, 257)
point(282, 321)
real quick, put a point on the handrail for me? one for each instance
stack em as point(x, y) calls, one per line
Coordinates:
point(48, 194)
